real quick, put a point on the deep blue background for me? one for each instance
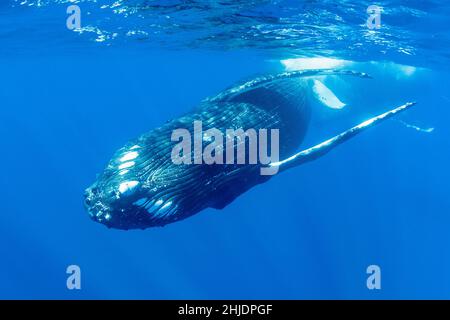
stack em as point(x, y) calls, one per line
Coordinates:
point(382, 198)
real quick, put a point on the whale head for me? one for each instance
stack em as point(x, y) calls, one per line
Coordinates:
point(133, 192)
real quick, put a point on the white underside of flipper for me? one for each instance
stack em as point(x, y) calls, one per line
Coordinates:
point(328, 145)
point(326, 96)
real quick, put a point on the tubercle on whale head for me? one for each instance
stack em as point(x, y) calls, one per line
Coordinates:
point(125, 204)
point(97, 209)
point(108, 207)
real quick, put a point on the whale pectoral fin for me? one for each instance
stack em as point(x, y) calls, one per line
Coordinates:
point(326, 146)
point(224, 201)
point(326, 96)
point(235, 186)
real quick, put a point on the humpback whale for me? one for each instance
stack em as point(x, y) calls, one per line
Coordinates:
point(141, 187)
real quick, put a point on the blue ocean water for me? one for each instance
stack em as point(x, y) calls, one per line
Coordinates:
point(70, 98)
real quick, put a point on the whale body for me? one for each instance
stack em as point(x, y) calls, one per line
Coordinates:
point(142, 187)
